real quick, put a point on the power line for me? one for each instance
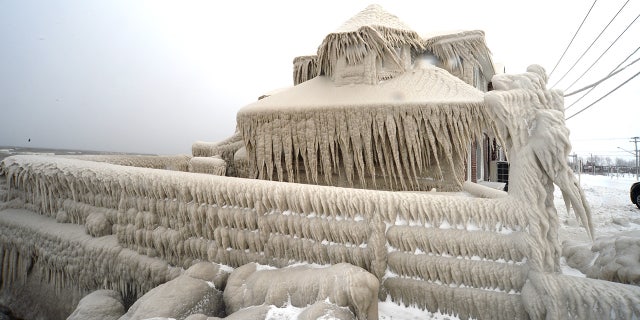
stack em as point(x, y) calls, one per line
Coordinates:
point(612, 71)
point(611, 45)
point(574, 37)
point(600, 139)
point(597, 154)
point(608, 93)
point(591, 45)
point(593, 85)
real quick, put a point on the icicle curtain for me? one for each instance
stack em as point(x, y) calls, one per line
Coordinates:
point(405, 146)
point(356, 45)
point(304, 68)
point(371, 30)
point(457, 49)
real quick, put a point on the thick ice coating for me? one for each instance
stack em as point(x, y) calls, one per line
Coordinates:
point(341, 284)
point(366, 112)
point(408, 133)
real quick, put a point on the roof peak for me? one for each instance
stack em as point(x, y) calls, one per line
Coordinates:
point(373, 15)
point(372, 30)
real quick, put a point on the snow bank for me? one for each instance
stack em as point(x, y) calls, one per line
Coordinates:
point(612, 258)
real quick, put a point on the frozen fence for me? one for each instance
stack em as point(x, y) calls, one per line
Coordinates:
point(458, 244)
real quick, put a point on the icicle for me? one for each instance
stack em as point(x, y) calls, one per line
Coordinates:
point(463, 302)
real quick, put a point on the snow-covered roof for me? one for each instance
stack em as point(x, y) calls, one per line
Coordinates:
point(434, 34)
point(425, 86)
point(453, 36)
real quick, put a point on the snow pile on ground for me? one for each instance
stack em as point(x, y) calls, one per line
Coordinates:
point(611, 207)
point(615, 253)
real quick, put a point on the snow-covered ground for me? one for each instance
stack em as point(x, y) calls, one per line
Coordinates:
point(388, 310)
point(611, 208)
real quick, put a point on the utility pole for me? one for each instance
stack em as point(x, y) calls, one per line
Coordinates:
point(580, 172)
point(635, 141)
point(576, 165)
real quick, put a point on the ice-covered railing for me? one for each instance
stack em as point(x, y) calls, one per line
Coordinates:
point(33, 246)
point(225, 149)
point(174, 162)
point(448, 245)
point(459, 255)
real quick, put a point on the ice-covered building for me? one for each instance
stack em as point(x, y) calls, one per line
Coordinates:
point(379, 107)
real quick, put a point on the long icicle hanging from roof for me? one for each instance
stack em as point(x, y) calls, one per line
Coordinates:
point(401, 145)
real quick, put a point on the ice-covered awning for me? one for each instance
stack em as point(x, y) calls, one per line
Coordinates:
point(407, 130)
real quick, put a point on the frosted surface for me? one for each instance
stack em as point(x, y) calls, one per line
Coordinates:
point(91, 225)
point(408, 132)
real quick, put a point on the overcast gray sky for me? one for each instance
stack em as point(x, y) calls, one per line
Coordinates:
point(155, 76)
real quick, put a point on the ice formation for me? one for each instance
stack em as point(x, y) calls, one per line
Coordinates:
point(341, 284)
point(210, 165)
point(609, 258)
point(370, 116)
point(325, 310)
point(177, 299)
point(99, 305)
point(407, 133)
point(530, 120)
point(225, 150)
point(177, 162)
point(66, 258)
